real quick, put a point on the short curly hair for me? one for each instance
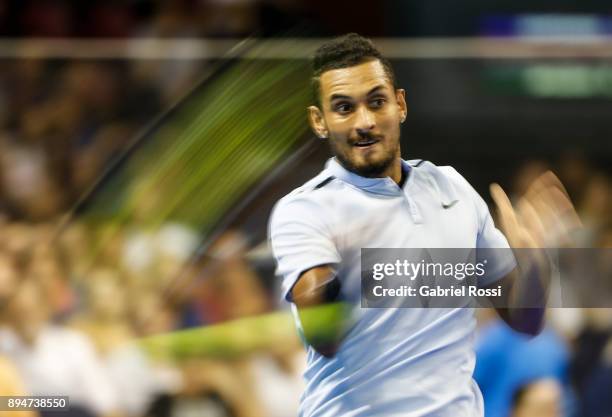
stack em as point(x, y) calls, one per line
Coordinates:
point(343, 52)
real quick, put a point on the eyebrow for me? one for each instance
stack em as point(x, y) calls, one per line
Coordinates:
point(342, 96)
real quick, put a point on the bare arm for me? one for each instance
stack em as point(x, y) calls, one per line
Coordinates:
point(315, 289)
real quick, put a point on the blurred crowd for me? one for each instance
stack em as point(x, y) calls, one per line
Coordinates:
point(71, 319)
point(73, 303)
point(186, 18)
point(567, 369)
point(147, 18)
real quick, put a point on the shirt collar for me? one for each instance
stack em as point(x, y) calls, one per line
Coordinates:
point(423, 172)
point(385, 186)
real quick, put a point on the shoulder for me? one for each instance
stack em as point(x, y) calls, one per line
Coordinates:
point(313, 188)
point(447, 180)
point(442, 174)
point(312, 195)
point(450, 185)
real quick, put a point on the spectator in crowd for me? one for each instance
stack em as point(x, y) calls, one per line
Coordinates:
point(52, 358)
point(539, 398)
point(134, 378)
point(505, 360)
point(591, 362)
point(596, 400)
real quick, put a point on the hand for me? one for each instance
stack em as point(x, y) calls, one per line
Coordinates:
point(544, 217)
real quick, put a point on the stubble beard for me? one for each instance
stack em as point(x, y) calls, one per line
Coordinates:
point(375, 169)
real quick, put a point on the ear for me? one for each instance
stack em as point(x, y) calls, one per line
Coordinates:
point(400, 97)
point(317, 122)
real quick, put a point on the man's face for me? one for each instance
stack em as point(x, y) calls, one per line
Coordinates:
point(361, 115)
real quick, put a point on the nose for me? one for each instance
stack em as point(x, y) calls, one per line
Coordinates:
point(364, 122)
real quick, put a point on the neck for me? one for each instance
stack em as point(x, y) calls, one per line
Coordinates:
point(394, 171)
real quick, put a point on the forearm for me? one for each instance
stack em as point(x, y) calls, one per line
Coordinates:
point(322, 317)
point(527, 292)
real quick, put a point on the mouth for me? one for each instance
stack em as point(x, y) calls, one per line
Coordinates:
point(365, 142)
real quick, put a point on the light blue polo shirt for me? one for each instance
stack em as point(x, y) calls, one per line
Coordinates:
point(393, 361)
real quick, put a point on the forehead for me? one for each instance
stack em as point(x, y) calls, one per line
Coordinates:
point(354, 81)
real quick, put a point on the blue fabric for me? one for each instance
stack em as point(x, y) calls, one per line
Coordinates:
point(505, 360)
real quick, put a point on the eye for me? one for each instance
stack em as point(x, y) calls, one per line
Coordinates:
point(377, 103)
point(343, 107)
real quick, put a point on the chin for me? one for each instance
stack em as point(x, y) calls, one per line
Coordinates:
point(371, 168)
point(370, 165)
point(375, 163)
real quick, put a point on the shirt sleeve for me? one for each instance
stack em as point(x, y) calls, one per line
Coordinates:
point(492, 247)
point(300, 238)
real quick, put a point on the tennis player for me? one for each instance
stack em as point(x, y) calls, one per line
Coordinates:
point(394, 361)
